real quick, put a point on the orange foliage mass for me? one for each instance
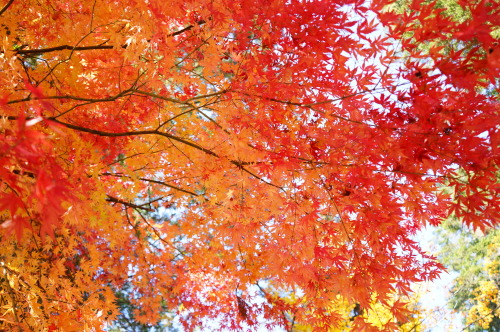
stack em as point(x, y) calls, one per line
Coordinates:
point(296, 144)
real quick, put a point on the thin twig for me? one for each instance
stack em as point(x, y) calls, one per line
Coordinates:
point(6, 7)
point(132, 205)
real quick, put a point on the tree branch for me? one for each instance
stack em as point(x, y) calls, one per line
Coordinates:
point(132, 205)
point(135, 133)
point(87, 48)
point(238, 164)
point(153, 181)
point(89, 100)
point(6, 7)
point(66, 47)
point(189, 27)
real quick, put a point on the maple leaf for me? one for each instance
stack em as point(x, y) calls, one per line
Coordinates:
point(200, 148)
point(16, 224)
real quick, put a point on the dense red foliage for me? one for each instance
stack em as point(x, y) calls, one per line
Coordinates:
point(292, 145)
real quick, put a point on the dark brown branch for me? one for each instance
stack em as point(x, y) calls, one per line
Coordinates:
point(87, 48)
point(132, 205)
point(89, 100)
point(156, 132)
point(149, 94)
point(170, 186)
point(135, 133)
point(189, 27)
point(123, 93)
point(28, 174)
point(153, 181)
point(66, 47)
point(238, 164)
point(6, 7)
point(126, 134)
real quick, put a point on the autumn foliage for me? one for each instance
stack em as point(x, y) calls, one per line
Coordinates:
point(194, 150)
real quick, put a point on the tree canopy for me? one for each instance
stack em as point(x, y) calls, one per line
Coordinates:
point(474, 256)
point(176, 155)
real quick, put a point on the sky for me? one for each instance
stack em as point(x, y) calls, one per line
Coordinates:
point(435, 293)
